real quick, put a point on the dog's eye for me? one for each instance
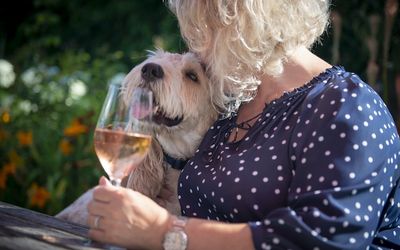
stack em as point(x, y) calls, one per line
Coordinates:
point(192, 76)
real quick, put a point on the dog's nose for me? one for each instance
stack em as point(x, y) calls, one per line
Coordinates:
point(152, 71)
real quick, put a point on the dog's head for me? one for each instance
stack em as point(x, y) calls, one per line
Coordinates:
point(181, 89)
point(183, 113)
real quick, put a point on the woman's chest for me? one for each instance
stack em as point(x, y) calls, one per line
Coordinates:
point(240, 182)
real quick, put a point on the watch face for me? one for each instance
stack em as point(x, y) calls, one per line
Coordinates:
point(175, 240)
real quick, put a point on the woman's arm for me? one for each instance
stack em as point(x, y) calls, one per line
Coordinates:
point(132, 220)
point(204, 234)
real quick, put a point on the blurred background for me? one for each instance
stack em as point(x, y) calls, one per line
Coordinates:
point(58, 57)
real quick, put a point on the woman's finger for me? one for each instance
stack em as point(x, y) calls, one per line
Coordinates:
point(103, 193)
point(95, 222)
point(97, 235)
point(99, 208)
point(103, 181)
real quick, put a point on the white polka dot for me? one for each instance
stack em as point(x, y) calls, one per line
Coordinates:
point(352, 175)
point(316, 214)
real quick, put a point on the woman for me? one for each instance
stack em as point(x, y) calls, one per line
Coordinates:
point(306, 155)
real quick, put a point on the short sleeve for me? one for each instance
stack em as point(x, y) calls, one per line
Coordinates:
point(344, 153)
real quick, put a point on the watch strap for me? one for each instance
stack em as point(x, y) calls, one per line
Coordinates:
point(179, 222)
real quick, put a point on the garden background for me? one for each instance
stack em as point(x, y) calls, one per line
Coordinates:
point(57, 58)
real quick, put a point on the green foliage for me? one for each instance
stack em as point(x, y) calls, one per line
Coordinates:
point(63, 54)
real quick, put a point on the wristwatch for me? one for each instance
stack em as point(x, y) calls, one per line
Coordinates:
point(176, 238)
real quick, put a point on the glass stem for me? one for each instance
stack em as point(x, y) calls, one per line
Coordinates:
point(116, 182)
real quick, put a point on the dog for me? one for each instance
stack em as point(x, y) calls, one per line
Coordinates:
point(182, 115)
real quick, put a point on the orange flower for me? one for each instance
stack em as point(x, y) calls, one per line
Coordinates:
point(25, 138)
point(76, 128)
point(38, 196)
point(6, 170)
point(9, 168)
point(5, 117)
point(65, 147)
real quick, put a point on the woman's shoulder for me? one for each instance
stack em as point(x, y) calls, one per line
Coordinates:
point(339, 87)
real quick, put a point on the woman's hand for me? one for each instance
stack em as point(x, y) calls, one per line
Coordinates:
point(127, 218)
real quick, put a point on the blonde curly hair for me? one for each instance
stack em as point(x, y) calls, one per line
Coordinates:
point(242, 39)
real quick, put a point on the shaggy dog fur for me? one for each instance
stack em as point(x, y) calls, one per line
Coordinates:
point(182, 115)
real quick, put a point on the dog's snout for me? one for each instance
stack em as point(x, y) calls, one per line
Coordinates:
point(152, 71)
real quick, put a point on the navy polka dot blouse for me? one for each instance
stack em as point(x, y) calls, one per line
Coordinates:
point(318, 170)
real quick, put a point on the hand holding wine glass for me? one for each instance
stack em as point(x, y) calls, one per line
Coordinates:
point(122, 138)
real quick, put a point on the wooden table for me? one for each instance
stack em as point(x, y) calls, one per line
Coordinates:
point(22, 228)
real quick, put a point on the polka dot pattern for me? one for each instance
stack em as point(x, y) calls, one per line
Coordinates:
point(318, 170)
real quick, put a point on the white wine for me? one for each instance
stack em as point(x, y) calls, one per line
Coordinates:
point(119, 152)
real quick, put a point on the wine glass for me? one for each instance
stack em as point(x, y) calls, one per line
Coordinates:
point(122, 136)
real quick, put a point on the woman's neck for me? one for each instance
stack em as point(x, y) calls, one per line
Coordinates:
point(300, 68)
